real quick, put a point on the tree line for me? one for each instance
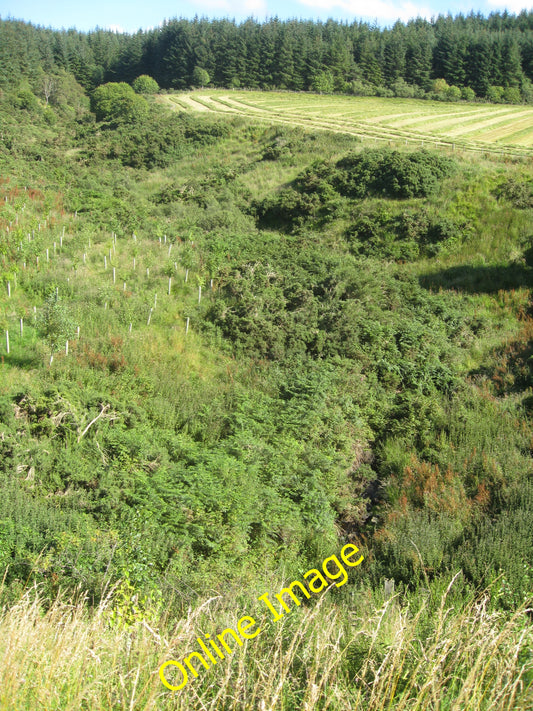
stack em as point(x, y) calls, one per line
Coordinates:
point(447, 57)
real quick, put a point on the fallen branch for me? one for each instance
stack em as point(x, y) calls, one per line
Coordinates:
point(101, 414)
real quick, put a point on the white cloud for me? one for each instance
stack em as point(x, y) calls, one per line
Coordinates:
point(379, 9)
point(515, 6)
point(149, 28)
point(116, 28)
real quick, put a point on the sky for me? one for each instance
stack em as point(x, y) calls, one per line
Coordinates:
point(132, 15)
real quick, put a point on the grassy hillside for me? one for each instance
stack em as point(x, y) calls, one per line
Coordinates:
point(494, 129)
point(288, 341)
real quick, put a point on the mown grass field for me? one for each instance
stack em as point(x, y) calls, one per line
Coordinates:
point(493, 128)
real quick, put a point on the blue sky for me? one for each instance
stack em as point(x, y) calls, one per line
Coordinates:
point(130, 15)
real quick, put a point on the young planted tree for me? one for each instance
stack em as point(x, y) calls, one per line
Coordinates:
point(54, 324)
point(187, 258)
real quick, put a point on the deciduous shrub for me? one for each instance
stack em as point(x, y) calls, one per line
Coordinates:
point(117, 103)
point(145, 85)
point(200, 77)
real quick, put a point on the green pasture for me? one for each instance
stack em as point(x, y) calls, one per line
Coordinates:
point(494, 128)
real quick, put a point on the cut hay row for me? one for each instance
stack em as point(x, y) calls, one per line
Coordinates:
point(508, 118)
point(445, 121)
point(375, 131)
point(496, 130)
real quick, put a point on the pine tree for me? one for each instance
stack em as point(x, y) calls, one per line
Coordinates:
point(251, 36)
point(511, 67)
point(393, 57)
point(478, 70)
point(178, 56)
point(285, 75)
point(450, 54)
point(419, 53)
point(341, 62)
point(268, 39)
point(369, 63)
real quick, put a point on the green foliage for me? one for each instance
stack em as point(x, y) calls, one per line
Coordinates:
point(467, 94)
point(157, 141)
point(116, 103)
point(517, 192)
point(314, 194)
point(403, 89)
point(376, 232)
point(453, 93)
point(288, 208)
point(470, 52)
point(391, 173)
point(68, 95)
point(512, 95)
point(442, 91)
point(495, 94)
point(55, 324)
point(276, 317)
point(200, 77)
point(358, 88)
point(498, 552)
point(145, 85)
point(323, 83)
point(27, 100)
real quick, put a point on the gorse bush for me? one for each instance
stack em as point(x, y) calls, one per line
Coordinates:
point(155, 142)
point(376, 231)
point(518, 193)
point(391, 173)
point(314, 197)
point(274, 316)
point(288, 208)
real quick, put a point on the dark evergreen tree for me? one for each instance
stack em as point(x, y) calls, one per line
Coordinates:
point(450, 53)
point(467, 51)
point(177, 56)
point(526, 52)
point(420, 40)
point(60, 51)
point(369, 63)
point(251, 35)
point(478, 75)
point(268, 40)
point(394, 55)
point(284, 76)
point(510, 62)
point(129, 63)
point(225, 49)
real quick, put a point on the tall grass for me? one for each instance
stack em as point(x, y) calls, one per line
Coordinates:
point(63, 656)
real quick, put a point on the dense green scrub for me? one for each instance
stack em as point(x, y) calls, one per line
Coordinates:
point(357, 364)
